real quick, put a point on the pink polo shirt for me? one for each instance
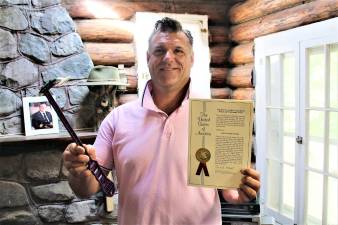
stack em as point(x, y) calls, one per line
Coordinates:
point(149, 151)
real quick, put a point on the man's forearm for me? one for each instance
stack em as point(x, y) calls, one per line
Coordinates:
point(83, 186)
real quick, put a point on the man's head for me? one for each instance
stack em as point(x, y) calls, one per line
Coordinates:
point(170, 55)
point(42, 106)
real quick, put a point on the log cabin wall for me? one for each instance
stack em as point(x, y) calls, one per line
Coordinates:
point(106, 30)
point(254, 18)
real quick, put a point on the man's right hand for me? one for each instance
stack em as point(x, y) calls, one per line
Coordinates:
point(75, 159)
point(80, 178)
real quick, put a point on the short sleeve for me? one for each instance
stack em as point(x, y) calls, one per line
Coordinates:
point(103, 142)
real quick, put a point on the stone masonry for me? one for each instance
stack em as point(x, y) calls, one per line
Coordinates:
point(38, 42)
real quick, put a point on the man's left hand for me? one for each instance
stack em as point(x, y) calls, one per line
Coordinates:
point(248, 188)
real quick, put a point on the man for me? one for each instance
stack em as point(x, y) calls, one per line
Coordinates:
point(146, 142)
point(42, 119)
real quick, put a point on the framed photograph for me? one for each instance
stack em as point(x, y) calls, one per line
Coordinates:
point(39, 116)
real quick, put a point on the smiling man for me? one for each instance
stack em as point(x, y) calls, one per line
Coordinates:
point(146, 142)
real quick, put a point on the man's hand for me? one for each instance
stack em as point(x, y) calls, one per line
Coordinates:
point(75, 159)
point(248, 188)
point(83, 183)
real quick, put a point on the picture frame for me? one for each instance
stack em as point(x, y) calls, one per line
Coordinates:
point(39, 116)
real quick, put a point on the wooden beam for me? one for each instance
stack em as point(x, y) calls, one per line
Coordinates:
point(132, 81)
point(105, 30)
point(124, 98)
point(300, 15)
point(125, 10)
point(219, 54)
point(218, 34)
point(252, 9)
point(243, 94)
point(218, 77)
point(110, 54)
point(242, 54)
point(221, 93)
point(240, 76)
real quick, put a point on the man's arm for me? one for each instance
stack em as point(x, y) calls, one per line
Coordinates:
point(248, 189)
point(81, 180)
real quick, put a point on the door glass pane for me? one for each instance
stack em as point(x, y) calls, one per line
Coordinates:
point(274, 133)
point(288, 191)
point(316, 140)
point(332, 204)
point(275, 84)
point(289, 78)
point(289, 136)
point(334, 76)
point(316, 70)
point(273, 183)
point(314, 198)
point(333, 147)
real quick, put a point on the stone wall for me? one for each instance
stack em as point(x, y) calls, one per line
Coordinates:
point(34, 188)
point(38, 43)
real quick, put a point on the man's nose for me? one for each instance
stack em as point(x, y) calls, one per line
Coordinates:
point(169, 56)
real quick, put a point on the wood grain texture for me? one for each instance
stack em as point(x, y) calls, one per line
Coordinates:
point(289, 18)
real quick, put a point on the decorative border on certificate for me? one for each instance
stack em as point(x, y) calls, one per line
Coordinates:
point(220, 137)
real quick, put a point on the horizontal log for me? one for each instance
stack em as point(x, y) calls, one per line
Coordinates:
point(132, 81)
point(125, 10)
point(240, 77)
point(105, 30)
point(218, 77)
point(303, 14)
point(219, 54)
point(221, 93)
point(218, 34)
point(243, 94)
point(242, 54)
point(252, 9)
point(110, 54)
point(124, 98)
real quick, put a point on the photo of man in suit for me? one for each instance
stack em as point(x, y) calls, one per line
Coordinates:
point(42, 119)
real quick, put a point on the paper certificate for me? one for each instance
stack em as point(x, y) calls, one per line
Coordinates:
point(220, 134)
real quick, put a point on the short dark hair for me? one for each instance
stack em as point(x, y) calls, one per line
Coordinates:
point(167, 24)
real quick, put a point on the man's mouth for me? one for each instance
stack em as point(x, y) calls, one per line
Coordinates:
point(168, 69)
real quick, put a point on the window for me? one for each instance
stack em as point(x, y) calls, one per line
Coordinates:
point(198, 26)
point(297, 123)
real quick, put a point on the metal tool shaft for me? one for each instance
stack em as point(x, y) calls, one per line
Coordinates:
point(107, 185)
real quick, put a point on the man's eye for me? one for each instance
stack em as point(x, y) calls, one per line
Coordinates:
point(158, 51)
point(179, 51)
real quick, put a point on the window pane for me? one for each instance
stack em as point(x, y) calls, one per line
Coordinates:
point(332, 204)
point(316, 69)
point(333, 148)
point(289, 78)
point(289, 136)
point(334, 76)
point(314, 198)
point(274, 132)
point(275, 84)
point(288, 191)
point(273, 184)
point(316, 140)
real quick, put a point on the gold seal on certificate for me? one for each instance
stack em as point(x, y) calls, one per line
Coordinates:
point(203, 155)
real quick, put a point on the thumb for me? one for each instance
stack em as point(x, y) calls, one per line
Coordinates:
point(91, 151)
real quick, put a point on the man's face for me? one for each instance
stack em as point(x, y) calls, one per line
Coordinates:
point(170, 58)
point(42, 107)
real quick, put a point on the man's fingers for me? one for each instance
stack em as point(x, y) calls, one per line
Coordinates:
point(251, 182)
point(248, 191)
point(251, 172)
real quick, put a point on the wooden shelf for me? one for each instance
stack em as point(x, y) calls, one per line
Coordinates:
point(64, 136)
